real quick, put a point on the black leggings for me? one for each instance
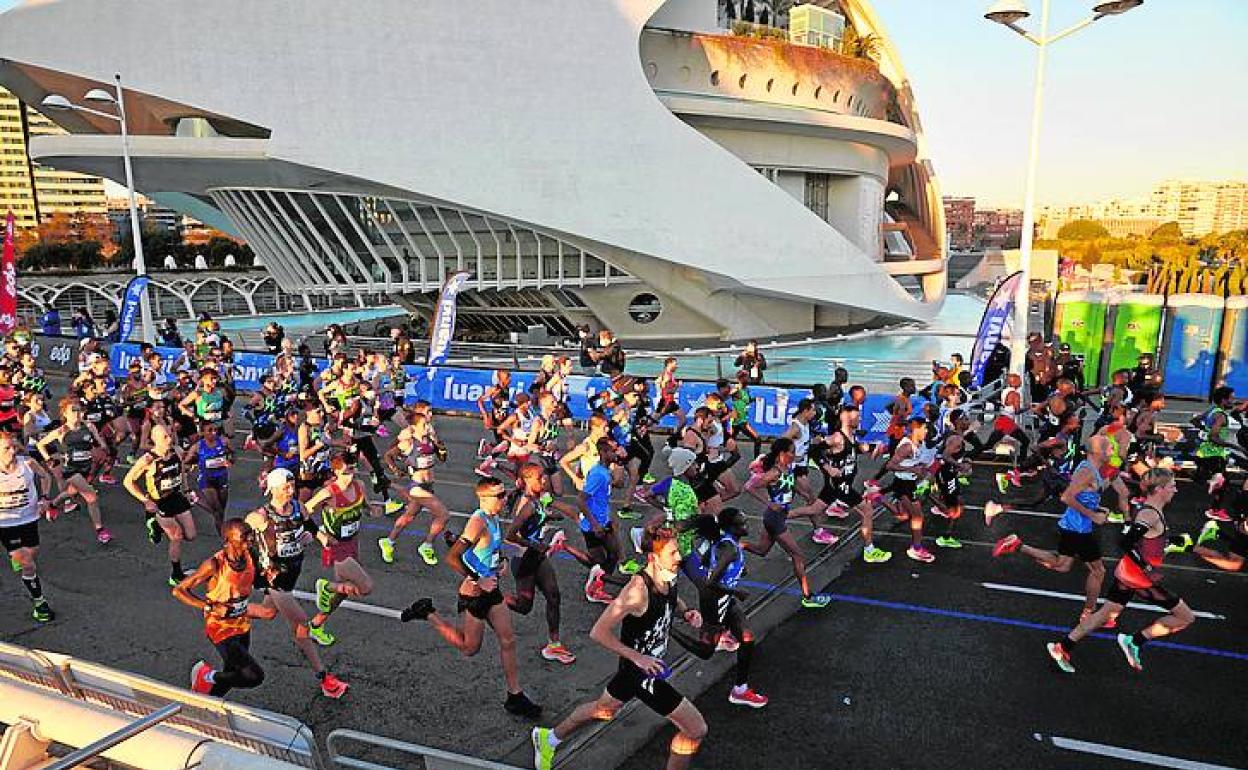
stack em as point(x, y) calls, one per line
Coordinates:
point(363, 444)
point(1206, 469)
point(529, 580)
point(643, 449)
point(238, 668)
point(747, 430)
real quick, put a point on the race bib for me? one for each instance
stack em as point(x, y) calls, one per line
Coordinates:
point(216, 462)
point(349, 529)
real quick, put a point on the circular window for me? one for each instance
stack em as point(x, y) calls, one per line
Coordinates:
point(645, 308)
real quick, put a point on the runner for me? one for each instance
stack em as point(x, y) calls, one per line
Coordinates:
point(315, 449)
point(953, 470)
point(908, 465)
point(24, 489)
point(721, 600)
point(157, 482)
point(416, 449)
point(213, 458)
point(602, 545)
point(839, 466)
point(1214, 451)
point(283, 532)
point(345, 501)
point(79, 440)
point(230, 574)
point(477, 556)
point(644, 611)
point(1138, 575)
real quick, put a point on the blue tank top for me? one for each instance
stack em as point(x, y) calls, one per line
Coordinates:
point(483, 559)
point(532, 529)
point(1074, 521)
point(732, 575)
point(287, 443)
point(213, 463)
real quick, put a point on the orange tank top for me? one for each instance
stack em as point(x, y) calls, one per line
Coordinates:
point(232, 588)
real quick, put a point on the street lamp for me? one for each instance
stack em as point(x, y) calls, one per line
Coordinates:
point(1009, 13)
point(104, 98)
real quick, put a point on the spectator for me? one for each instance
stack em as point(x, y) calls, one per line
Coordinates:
point(404, 348)
point(51, 322)
point(586, 341)
point(1068, 366)
point(954, 375)
point(169, 334)
point(170, 262)
point(112, 327)
point(84, 326)
point(273, 335)
point(229, 260)
point(752, 362)
point(200, 262)
point(609, 355)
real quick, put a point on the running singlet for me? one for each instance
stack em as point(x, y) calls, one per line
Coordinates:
point(425, 452)
point(1207, 447)
point(19, 503)
point(166, 476)
point(531, 530)
point(648, 633)
point(210, 406)
point(1074, 521)
point(682, 508)
point(283, 539)
point(484, 559)
point(341, 518)
point(914, 461)
point(213, 463)
point(1153, 549)
point(732, 574)
point(318, 463)
point(845, 460)
point(801, 444)
point(780, 491)
point(79, 444)
point(597, 497)
point(231, 587)
point(287, 446)
point(741, 407)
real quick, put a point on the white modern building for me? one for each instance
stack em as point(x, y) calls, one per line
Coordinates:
point(625, 163)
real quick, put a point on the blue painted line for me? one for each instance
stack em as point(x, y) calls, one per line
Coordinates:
point(979, 618)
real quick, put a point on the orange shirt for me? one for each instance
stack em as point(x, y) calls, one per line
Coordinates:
point(230, 587)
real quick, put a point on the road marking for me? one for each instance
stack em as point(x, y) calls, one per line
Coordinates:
point(1019, 511)
point(1131, 755)
point(371, 609)
point(1078, 598)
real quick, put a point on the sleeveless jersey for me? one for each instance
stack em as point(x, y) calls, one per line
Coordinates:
point(732, 575)
point(213, 462)
point(648, 633)
point(341, 518)
point(1074, 521)
point(484, 559)
point(165, 477)
point(19, 496)
point(231, 587)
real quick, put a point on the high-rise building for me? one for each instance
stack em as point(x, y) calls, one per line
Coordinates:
point(32, 192)
point(1200, 207)
point(960, 222)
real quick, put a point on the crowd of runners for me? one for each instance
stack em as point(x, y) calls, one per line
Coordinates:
point(347, 442)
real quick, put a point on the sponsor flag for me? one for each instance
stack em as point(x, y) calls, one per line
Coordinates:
point(8, 280)
point(443, 329)
point(130, 305)
point(997, 314)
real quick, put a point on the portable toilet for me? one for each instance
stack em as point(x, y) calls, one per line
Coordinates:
point(1080, 323)
point(1136, 323)
point(1193, 332)
point(1234, 346)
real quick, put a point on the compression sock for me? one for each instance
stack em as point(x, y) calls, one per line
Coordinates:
point(33, 587)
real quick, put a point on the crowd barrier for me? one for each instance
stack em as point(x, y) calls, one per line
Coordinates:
point(456, 389)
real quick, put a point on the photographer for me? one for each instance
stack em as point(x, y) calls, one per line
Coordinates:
point(273, 334)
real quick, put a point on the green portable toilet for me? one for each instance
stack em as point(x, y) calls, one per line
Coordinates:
point(1080, 323)
point(1136, 328)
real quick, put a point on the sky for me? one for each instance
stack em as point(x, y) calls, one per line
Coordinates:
point(1157, 93)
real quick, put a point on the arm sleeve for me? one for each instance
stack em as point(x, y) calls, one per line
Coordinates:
point(1132, 534)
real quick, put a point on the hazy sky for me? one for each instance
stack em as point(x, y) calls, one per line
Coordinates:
point(1154, 94)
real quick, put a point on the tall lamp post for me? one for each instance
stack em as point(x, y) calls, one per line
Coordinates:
point(118, 101)
point(1009, 13)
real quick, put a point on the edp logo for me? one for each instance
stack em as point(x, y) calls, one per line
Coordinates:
point(59, 354)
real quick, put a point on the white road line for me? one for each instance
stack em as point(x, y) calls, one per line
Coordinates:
point(1131, 755)
point(1019, 511)
point(1079, 598)
point(371, 609)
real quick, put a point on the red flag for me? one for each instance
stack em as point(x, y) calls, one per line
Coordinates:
point(8, 280)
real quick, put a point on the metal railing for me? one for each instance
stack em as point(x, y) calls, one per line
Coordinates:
point(433, 759)
point(81, 756)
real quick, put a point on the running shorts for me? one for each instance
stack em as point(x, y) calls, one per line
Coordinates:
point(22, 536)
point(842, 492)
point(340, 551)
point(479, 606)
point(1079, 545)
point(658, 695)
point(775, 521)
point(1122, 594)
point(172, 504)
point(904, 488)
point(527, 564)
point(286, 578)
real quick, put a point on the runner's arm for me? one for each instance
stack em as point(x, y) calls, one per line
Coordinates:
point(51, 437)
point(633, 600)
point(455, 557)
point(182, 591)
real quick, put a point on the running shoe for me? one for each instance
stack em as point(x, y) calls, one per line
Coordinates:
point(201, 678)
point(1062, 658)
point(939, 512)
point(324, 595)
point(1207, 533)
point(393, 507)
point(69, 506)
point(108, 478)
point(42, 612)
point(1115, 517)
point(1007, 544)
point(746, 697)
point(919, 553)
point(543, 752)
point(519, 704)
point(128, 459)
point(485, 469)
point(824, 536)
point(874, 555)
point(1131, 651)
point(321, 635)
point(103, 536)
point(420, 609)
point(1003, 482)
point(332, 686)
point(727, 643)
point(648, 479)
point(52, 513)
point(427, 553)
point(964, 481)
point(594, 579)
point(816, 601)
point(922, 488)
point(631, 567)
point(154, 532)
point(639, 494)
point(483, 449)
point(837, 511)
point(628, 514)
point(1216, 482)
point(599, 595)
point(992, 509)
point(1217, 514)
point(1181, 543)
point(387, 549)
point(173, 581)
point(948, 542)
point(558, 653)
point(558, 543)
point(14, 564)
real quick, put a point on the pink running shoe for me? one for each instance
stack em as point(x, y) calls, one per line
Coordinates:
point(837, 511)
point(824, 536)
point(1217, 514)
point(557, 543)
point(103, 536)
point(992, 509)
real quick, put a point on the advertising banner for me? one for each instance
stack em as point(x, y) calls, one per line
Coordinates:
point(8, 279)
point(130, 305)
point(443, 329)
point(997, 314)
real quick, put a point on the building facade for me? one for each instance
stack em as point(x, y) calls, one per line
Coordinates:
point(619, 154)
point(960, 222)
point(35, 192)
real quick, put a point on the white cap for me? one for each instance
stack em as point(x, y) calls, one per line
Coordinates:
point(680, 459)
point(276, 478)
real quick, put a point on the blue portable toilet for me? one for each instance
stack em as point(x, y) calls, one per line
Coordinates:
point(1193, 331)
point(1234, 347)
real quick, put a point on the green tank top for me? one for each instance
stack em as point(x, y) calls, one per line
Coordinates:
point(1207, 448)
point(682, 507)
point(341, 518)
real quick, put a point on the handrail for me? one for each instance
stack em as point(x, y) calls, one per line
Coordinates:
point(435, 759)
point(91, 751)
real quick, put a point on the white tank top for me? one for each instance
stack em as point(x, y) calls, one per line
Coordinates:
point(801, 444)
point(914, 461)
point(19, 496)
point(1006, 407)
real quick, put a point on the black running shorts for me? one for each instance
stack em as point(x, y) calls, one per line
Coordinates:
point(1079, 545)
point(479, 606)
point(658, 695)
point(22, 536)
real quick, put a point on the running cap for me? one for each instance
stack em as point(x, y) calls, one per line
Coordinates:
point(680, 459)
point(276, 478)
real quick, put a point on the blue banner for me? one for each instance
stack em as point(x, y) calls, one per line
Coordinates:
point(452, 389)
point(443, 329)
point(997, 314)
point(130, 305)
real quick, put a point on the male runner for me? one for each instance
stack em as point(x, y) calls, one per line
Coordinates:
point(839, 465)
point(156, 480)
point(477, 556)
point(24, 488)
point(721, 600)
